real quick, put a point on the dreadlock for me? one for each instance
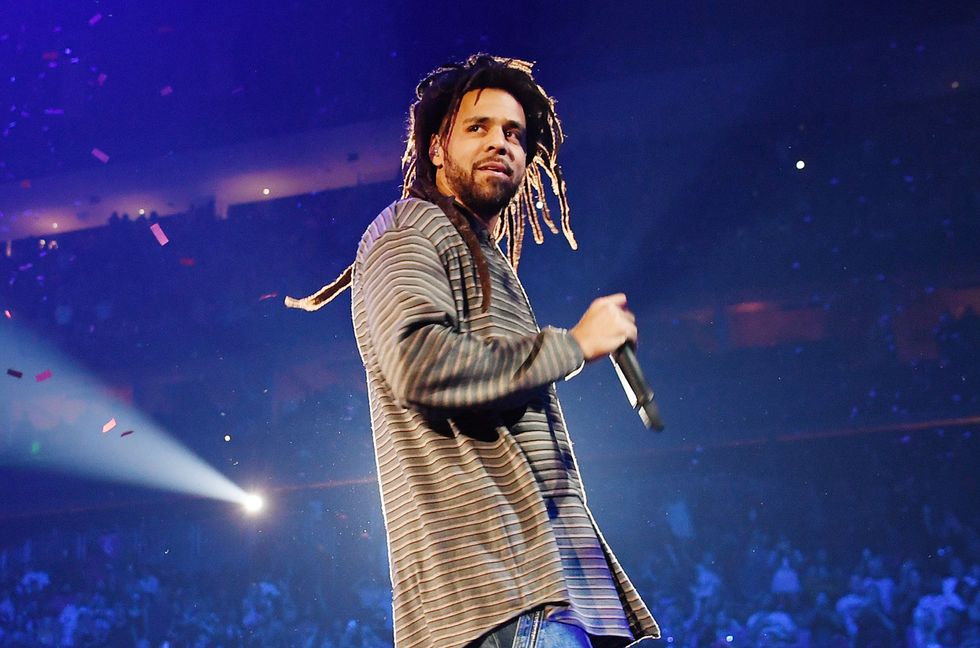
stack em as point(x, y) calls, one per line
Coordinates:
point(434, 111)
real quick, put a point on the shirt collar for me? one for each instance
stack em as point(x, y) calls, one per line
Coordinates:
point(477, 225)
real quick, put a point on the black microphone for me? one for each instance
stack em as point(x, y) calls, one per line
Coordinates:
point(636, 387)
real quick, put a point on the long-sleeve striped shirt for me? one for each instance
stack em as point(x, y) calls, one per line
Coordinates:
point(471, 445)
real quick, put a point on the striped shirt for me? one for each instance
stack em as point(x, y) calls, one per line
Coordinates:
point(471, 445)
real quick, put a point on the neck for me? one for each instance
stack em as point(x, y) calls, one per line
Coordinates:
point(487, 223)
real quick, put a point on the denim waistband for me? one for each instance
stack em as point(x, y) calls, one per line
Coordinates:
point(535, 631)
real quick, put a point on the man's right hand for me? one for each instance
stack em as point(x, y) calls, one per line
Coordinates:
point(606, 325)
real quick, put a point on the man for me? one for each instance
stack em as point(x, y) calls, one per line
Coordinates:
point(491, 544)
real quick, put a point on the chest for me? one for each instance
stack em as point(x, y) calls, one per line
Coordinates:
point(510, 311)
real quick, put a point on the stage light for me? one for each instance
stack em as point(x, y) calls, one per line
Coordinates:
point(266, 191)
point(142, 212)
point(253, 503)
point(800, 164)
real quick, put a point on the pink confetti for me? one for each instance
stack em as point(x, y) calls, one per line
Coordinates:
point(101, 78)
point(268, 296)
point(100, 155)
point(108, 426)
point(44, 375)
point(95, 19)
point(158, 232)
point(127, 433)
point(7, 313)
point(165, 91)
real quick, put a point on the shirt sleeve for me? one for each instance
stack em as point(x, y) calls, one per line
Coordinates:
point(426, 360)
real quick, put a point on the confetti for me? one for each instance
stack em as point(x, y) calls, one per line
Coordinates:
point(166, 90)
point(108, 426)
point(7, 314)
point(15, 373)
point(127, 433)
point(268, 296)
point(158, 233)
point(94, 20)
point(51, 55)
point(54, 111)
point(187, 262)
point(44, 375)
point(25, 184)
point(102, 77)
point(100, 155)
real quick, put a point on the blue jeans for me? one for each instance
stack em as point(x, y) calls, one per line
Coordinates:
point(533, 630)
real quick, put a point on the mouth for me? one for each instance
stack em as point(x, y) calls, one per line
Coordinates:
point(497, 169)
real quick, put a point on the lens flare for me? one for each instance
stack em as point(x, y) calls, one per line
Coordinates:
point(253, 503)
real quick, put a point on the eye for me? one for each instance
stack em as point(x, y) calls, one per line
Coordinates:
point(474, 127)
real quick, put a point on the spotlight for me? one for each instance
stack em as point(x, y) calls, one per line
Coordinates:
point(266, 191)
point(800, 164)
point(253, 503)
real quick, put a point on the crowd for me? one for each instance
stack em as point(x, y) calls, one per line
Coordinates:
point(197, 579)
point(891, 559)
point(872, 551)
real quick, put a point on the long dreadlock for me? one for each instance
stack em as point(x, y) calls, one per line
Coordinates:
point(438, 97)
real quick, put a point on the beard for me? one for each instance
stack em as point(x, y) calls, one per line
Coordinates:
point(486, 196)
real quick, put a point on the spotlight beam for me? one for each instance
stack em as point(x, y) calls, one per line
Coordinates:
point(57, 424)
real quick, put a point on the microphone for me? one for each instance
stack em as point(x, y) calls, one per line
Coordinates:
point(637, 390)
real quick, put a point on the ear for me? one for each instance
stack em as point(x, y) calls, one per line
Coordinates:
point(436, 153)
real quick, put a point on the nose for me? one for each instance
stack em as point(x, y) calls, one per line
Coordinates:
point(497, 141)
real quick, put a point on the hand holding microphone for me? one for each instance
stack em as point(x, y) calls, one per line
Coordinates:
point(609, 328)
point(606, 326)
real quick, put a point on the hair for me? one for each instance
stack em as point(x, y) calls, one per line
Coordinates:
point(433, 113)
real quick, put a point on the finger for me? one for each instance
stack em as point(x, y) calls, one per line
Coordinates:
point(631, 333)
point(619, 299)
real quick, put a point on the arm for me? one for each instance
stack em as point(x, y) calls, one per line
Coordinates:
point(424, 357)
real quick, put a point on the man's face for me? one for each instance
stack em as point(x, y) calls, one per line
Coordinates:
point(485, 163)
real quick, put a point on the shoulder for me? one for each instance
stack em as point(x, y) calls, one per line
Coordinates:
point(420, 218)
